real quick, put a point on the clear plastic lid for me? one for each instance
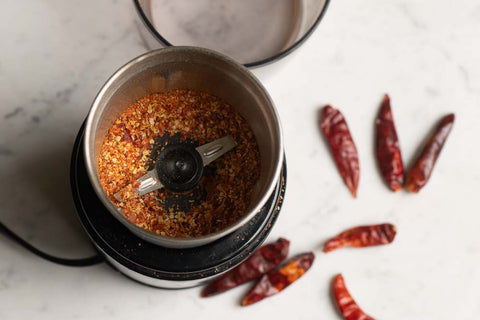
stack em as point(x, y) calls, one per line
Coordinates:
point(254, 32)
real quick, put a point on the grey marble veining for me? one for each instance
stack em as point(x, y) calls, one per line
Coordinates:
point(54, 57)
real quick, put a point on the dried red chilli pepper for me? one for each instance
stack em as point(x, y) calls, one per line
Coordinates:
point(342, 146)
point(387, 147)
point(260, 262)
point(422, 169)
point(277, 280)
point(363, 236)
point(347, 306)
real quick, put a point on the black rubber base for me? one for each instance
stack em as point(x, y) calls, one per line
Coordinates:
point(142, 257)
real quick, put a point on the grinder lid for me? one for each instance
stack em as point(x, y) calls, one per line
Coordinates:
point(253, 32)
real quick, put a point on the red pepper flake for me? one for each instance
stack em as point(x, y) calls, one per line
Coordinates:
point(363, 236)
point(342, 146)
point(260, 262)
point(126, 133)
point(422, 169)
point(387, 148)
point(277, 280)
point(136, 184)
point(347, 306)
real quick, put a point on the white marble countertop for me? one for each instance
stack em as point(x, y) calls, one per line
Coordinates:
point(56, 54)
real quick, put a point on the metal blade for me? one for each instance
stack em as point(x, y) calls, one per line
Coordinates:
point(215, 149)
point(148, 183)
point(208, 152)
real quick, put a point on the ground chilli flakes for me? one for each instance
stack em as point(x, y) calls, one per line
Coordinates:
point(223, 195)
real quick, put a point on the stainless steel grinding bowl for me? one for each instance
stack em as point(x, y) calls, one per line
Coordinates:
point(196, 69)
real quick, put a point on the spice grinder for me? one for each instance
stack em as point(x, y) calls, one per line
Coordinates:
point(167, 261)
